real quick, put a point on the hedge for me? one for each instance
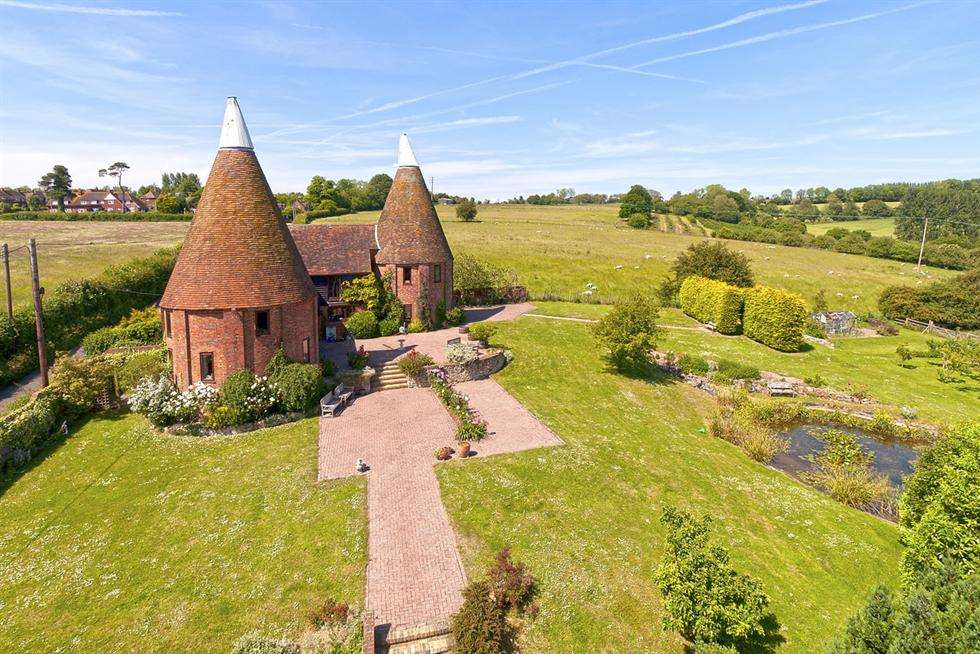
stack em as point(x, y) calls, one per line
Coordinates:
point(24, 430)
point(710, 300)
point(77, 307)
point(100, 216)
point(774, 317)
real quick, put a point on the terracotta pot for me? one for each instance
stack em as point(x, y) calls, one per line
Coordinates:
point(464, 450)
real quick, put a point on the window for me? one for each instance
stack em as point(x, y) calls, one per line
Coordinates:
point(437, 273)
point(406, 275)
point(167, 320)
point(261, 323)
point(306, 350)
point(408, 312)
point(207, 366)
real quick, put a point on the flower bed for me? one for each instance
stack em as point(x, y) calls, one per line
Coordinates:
point(469, 426)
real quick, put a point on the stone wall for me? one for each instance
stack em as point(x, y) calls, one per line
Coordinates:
point(485, 365)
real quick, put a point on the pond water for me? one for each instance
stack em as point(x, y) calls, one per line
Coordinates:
point(892, 459)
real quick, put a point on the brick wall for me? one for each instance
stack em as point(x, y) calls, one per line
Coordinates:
point(230, 336)
point(424, 275)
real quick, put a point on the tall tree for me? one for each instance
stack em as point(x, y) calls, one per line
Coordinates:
point(116, 170)
point(57, 185)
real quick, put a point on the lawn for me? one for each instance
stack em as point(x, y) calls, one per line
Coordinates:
point(79, 249)
point(121, 539)
point(859, 363)
point(557, 250)
point(877, 226)
point(584, 517)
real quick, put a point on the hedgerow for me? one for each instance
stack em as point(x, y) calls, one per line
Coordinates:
point(77, 307)
point(774, 317)
point(709, 300)
point(100, 216)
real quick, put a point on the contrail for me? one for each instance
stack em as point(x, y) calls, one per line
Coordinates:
point(751, 15)
point(777, 35)
point(76, 9)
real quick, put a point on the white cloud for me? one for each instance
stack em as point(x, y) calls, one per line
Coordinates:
point(78, 9)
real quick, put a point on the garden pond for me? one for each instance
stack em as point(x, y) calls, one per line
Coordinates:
point(891, 457)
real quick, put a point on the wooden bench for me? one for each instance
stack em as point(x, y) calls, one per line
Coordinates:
point(781, 388)
point(334, 400)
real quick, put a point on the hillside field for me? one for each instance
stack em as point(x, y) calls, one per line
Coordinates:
point(877, 226)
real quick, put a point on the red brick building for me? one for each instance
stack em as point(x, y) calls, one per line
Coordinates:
point(89, 201)
point(239, 288)
point(245, 282)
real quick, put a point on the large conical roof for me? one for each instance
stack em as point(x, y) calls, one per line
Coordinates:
point(408, 229)
point(238, 252)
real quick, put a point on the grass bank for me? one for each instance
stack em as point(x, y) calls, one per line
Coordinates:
point(585, 516)
point(124, 540)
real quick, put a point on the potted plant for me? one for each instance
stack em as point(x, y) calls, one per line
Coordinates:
point(445, 453)
point(464, 449)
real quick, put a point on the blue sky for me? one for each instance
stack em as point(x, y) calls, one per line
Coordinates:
point(500, 99)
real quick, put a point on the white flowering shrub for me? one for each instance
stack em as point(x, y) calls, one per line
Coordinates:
point(248, 396)
point(459, 353)
point(159, 400)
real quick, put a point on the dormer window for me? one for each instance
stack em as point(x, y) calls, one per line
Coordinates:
point(261, 323)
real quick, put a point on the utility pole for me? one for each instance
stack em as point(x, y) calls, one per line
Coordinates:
point(42, 355)
point(922, 245)
point(5, 253)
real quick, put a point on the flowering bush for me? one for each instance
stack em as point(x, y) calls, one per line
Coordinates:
point(482, 331)
point(414, 364)
point(253, 397)
point(159, 400)
point(459, 353)
point(469, 427)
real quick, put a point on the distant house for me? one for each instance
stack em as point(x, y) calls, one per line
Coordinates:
point(836, 322)
point(114, 201)
point(447, 201)
point(13, 196)
point(149, 200)
point(299, 206)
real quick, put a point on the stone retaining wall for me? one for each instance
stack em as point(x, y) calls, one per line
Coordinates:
point(482, 367)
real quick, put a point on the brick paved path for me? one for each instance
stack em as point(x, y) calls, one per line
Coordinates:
point(414, 574)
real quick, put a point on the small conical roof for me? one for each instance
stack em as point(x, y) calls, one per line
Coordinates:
point(238, 252)
point(234, 132)
point(409, 231)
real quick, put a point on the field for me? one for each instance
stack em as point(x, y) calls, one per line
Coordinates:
point(76, 249)
point(584, 517)
point(122, 540)
point(877, 226)
point(556, 251)
point(868, 364)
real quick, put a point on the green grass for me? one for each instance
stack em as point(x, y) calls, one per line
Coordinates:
point(877, 226)
point(79, 249)
point(557, 250)
point(584, 516)
point(125, 540)
point(861, 363)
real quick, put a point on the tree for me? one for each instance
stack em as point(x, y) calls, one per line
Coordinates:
point(629, 331)
point(869, 631)
point(316, 191)
point(376, 191)
point(876, 208)
point(116, 170)
point(466, 211)
point(636, 200)
point(711, 259)
point(169, 203)
point(57, 185)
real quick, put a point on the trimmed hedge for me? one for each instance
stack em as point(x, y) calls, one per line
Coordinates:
point(774, 317)
point(709, 300)
point(24, 430)
point(77, 307)
point(100, 216)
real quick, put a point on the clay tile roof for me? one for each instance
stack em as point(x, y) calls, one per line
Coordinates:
point(335, 249)
point(238, 252)
point(409, 230)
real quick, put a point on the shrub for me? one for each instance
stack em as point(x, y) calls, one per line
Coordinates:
point(638, 220)
point(466, 211)
point(478, 281)
point(416, 326)
point(775, 318)
point(481, 626)
point(358, 360)
point(445, 453)
point(454, 316)
point(843, 471)
point(760, 443)
point(414, 363)
point(709, 300)
point(362, 324)
point(80, 381)
point(954, 302)
point(815, 380)
point(729, 371)
point(137, 367)
point(692, 364)
point(510, 583)
point(139, 328)
point(254, 643)
point(251, 397)
point(25, 429)
point(705, 599)
point(329, 612)
point(100, 340)
point(710, 259)
point(482, 331)
point(300, 386)
point(629, 331)
point(460, 353)
point(277, 363)
point(159, 400)
point(471, 430)
point(940, 509)
point(219, 416)
point(773, 412)
point(389, 326)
